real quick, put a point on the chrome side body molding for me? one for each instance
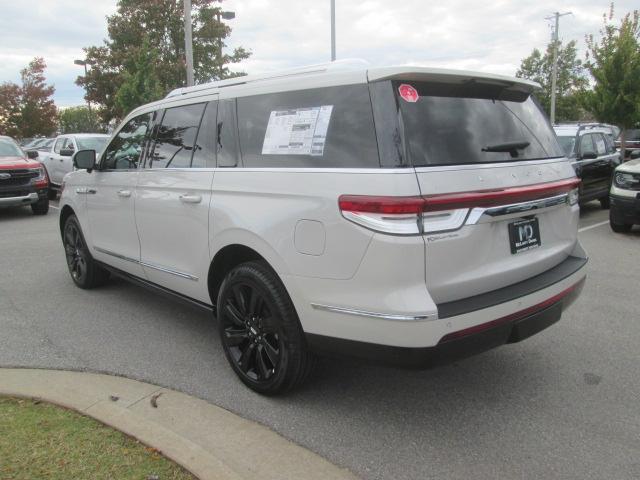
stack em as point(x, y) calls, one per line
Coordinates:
point(146, 264)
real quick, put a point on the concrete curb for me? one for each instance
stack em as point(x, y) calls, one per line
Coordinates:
point(210, 442)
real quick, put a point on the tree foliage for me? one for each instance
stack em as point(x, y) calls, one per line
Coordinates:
point(28, 110)
point(125, 56)
point(79, 120)
point(571, 79)
point(614, 64)
point(140, 84)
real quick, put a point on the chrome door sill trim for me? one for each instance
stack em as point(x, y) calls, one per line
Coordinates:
point(145, 264)
point(168, 270)
point(117, 255)
point(382, 316)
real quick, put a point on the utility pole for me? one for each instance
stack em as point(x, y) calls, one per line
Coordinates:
point(554, 71)
point(188, 42)
point(333, 30)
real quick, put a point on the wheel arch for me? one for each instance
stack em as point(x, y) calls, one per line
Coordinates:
point(65, 213)
point(225, 260)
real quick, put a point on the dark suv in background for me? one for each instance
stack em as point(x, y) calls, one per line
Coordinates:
point(594, 157)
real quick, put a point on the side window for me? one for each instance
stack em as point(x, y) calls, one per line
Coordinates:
point(123, 153)
point(322, 127)
point(204, 152)
point(586, 144)
point(227, 134)
point(601, 147)
point(611, 148)
point(68, 144)
point(176, 136)
point(58, 146)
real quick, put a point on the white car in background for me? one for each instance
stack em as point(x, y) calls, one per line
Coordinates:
point(58, 159)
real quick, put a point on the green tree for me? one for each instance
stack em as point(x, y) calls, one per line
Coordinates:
point(158, 23)
point(28, 110)
point(79, 120)
point(614, 64)
point(571, 80)
point(10, 109)
point(140, 84)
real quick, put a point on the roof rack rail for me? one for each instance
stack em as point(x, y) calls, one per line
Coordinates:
point(345, 64)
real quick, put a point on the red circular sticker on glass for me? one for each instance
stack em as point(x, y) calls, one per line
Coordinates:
point(408, 93)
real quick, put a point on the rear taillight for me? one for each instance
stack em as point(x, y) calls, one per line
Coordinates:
point(441, 213)
point(399, 215)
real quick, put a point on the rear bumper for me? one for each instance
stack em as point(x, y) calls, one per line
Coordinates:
point(460, 344)
point(625, 209)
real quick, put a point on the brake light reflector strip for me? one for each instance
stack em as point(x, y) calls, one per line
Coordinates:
point(514, 316)
point(491, 198)
point(414, 215)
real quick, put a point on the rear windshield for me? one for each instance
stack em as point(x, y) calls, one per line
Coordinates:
point(473, 123)
point(9, 149)
point(92, 143)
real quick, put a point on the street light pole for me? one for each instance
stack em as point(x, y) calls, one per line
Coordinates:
point(333, 30)
point(554, 71)
point(188, 42)
point(84, 64)
point(225, 16)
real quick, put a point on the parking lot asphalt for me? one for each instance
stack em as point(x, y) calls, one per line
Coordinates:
point(563, 404)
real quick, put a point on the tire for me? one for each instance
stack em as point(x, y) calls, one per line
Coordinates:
point(604, 202)
point(83, 269)
point(41, 207)
point(52, 194)
point(619, 227)
point(260, 330)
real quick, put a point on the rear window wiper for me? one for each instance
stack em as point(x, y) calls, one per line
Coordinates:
point(511, 147)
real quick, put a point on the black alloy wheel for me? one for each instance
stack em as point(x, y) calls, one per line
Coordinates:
point(249, 333)
point(73, 249)
point(260, 330)
point(85, 273)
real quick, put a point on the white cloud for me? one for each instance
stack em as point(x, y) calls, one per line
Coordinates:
point(492, 35)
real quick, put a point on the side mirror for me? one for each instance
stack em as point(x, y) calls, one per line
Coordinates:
point(634, 154)
point(589, 156)
point(66, 152)
point(32, 154)
point(85, 159)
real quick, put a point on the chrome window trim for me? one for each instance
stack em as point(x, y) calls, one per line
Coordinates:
point(146, 264)
point(382, 316)
point(483, 166)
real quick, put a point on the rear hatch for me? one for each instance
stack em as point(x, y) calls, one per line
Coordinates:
point(500, 194)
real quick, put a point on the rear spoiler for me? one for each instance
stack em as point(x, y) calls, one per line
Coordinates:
point(443, 75)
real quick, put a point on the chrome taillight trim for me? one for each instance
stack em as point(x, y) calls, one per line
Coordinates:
point(533, 206)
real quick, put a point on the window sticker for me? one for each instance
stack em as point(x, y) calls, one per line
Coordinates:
point(408, 93)
point(298, 131)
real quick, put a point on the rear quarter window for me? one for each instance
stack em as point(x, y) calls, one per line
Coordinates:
point(349, 138)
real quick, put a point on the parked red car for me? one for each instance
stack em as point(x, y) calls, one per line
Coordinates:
point(23, 180)
point(632, 142)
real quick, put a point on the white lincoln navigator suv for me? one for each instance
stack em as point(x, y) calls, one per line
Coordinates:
point(408, 216)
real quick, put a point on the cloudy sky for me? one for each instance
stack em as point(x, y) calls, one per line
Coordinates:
point(489, 35)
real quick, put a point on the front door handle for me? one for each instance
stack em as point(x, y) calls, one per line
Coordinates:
point(124, 193)
point(85, 191)
point(190, 198)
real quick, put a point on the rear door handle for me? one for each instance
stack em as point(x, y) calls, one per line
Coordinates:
point(85, 191)
point(190, 198)
point(124, 193)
